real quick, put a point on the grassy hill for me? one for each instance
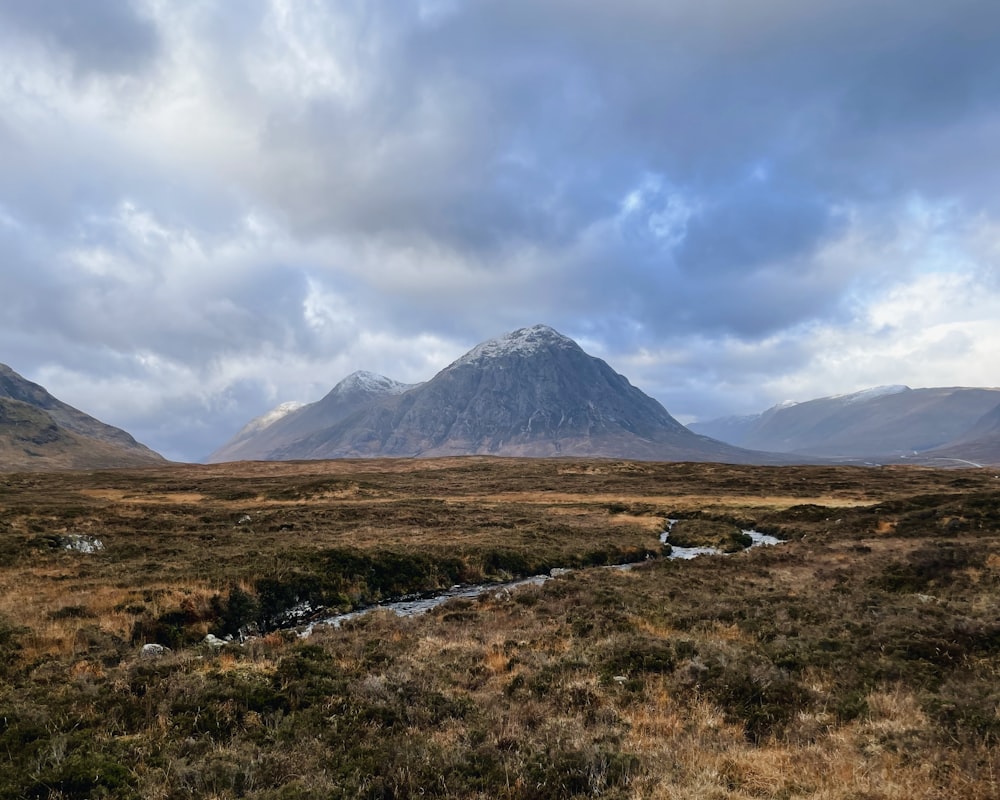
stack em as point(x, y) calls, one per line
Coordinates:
point(40, 432)
point(31, 439)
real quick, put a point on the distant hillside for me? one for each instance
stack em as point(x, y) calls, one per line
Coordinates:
point(533, 392)
point(290, 422)
point(882, 423)
point(39, 432)
point(979, 445)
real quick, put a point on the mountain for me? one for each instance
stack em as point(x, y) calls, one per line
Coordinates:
point(979, 445)
point(533, 392)
point(39, 432)
point(883, 423)
point(292, 421)
point(242, 444)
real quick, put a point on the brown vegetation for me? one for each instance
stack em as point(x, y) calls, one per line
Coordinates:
point(859, 659)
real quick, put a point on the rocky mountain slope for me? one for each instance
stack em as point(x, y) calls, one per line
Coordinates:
point(533, 392)
point(40, 432)
point(290, 422)
point(885, 423)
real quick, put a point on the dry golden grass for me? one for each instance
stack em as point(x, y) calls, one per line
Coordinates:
point(712, 759)
point(863, 636)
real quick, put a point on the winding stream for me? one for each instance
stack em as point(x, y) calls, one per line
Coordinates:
point(410, 606)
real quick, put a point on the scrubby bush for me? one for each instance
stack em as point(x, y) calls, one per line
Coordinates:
point(936, 566)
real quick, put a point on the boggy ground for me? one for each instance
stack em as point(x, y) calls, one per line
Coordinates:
point(858, 660)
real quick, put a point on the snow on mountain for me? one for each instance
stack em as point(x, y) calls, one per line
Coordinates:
point(371, 383)
point(532, 392)
point(522, 342)
point(290, 421)
point(871, 394)
point(268, 418)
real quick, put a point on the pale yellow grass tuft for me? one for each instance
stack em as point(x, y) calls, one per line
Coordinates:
point(654, 524)
point(495, 660)
point(895, 710)
point(652, 628)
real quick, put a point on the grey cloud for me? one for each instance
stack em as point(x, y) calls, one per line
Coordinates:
point(755, 225)
point(491, 147)
point(99, 36)
point(140, 305)
point(445, 163)
point(508, 122)
point(189, 428)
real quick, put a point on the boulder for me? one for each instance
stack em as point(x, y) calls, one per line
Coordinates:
point(153, 651)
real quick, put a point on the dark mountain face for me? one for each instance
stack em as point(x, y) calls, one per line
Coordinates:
point(39, 432)
point(532, 392)
point(986, 425)
point(979, 445)
point(883, 423)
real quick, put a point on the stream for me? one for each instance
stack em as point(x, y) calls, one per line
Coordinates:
point(412, 606)
point(759, 540)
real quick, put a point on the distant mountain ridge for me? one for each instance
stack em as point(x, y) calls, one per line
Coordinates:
point(291, 421)
point(884, 423)
point(40, 432)
point(532, 392)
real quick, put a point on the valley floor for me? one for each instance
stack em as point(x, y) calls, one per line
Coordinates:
point(860, 659)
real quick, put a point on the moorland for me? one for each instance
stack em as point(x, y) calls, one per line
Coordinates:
point(858, 659)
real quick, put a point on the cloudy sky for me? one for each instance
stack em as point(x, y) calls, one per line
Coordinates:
point(207, 208)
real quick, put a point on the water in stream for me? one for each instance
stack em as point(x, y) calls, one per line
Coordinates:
point(408, 607)
point(759, 539)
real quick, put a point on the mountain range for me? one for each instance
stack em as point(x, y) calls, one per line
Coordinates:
point(535, 393)
point(39, 432)
point(883, 424)
point(532, 392)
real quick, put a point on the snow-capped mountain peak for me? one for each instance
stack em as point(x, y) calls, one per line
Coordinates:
point(522, 342)
point(370, 383)
point(532, 392)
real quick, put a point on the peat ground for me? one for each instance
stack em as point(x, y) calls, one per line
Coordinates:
point(861, 659)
